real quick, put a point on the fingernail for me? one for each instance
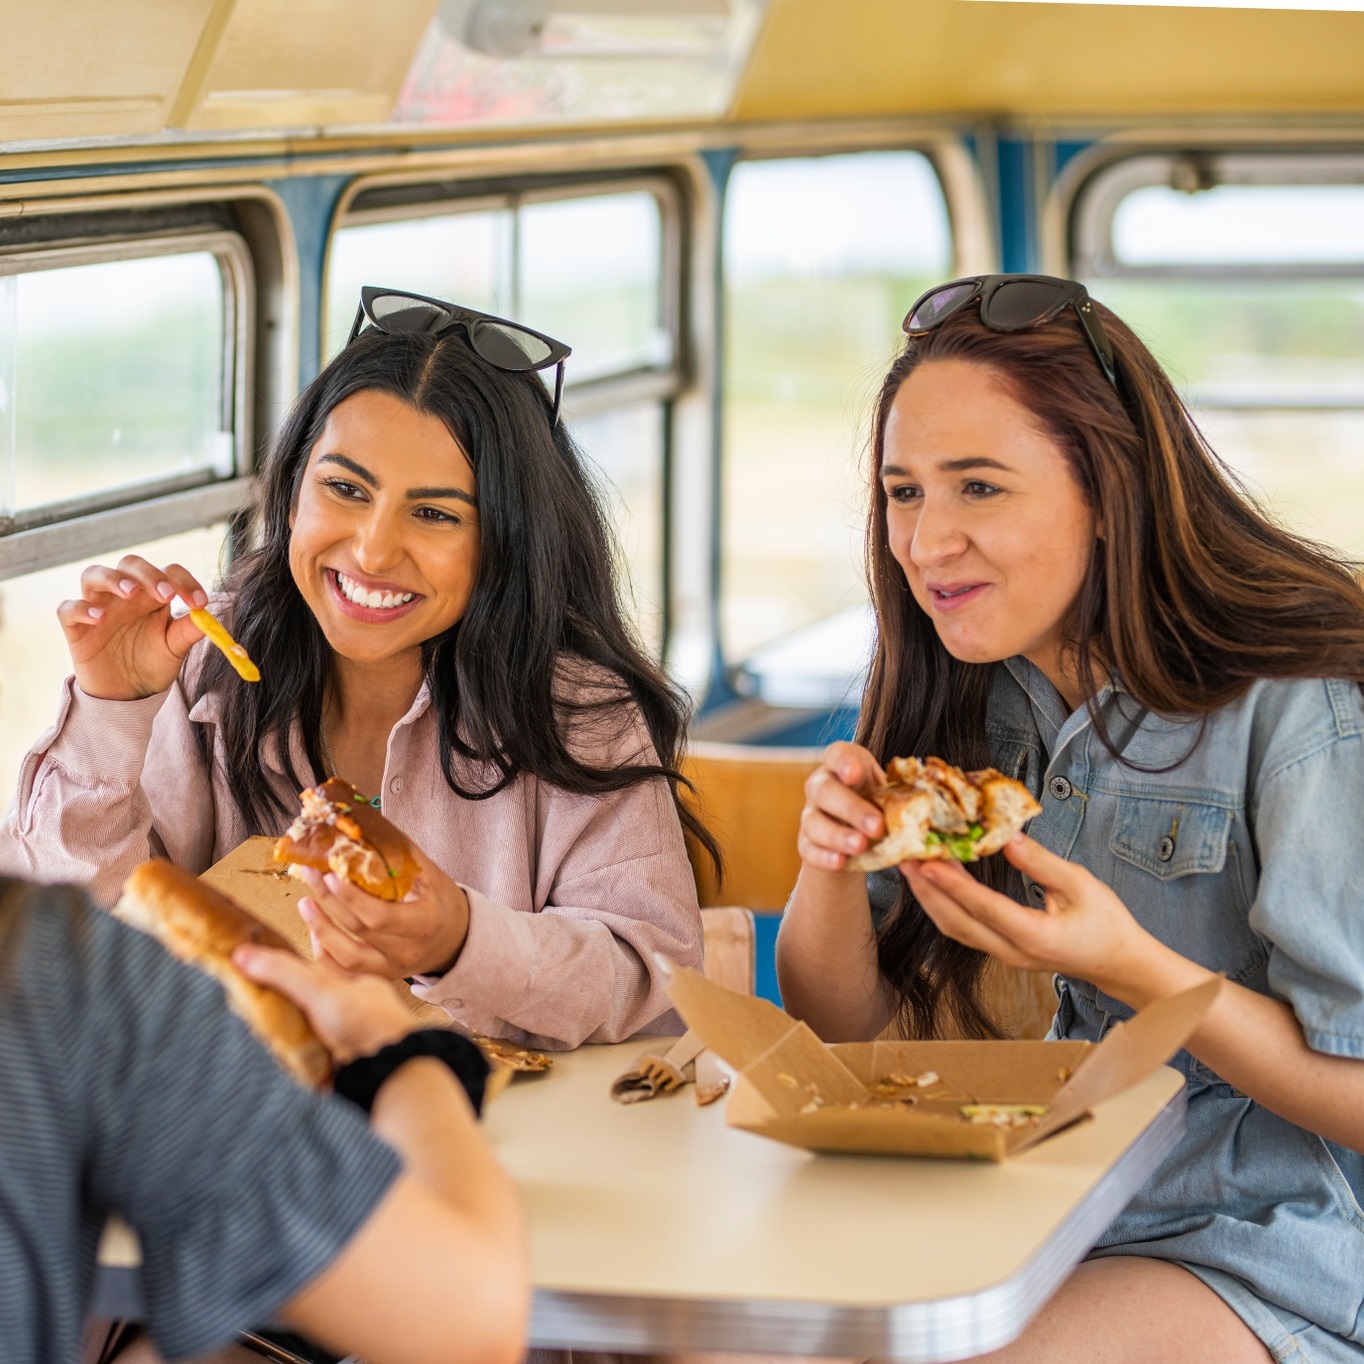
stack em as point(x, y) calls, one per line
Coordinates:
point(332, 881)
point(94, 612)
point(870, 824)
point(243, 956)
point(127, 587)
point(201, 599)
point(165, 591)
point(306, 908)
point(853, 842)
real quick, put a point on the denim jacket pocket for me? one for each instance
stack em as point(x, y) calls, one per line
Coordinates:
point(1171, 838)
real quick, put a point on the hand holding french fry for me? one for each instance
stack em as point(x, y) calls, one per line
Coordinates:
point(125, 642)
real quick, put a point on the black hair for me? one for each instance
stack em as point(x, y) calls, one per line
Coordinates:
point(544, 602)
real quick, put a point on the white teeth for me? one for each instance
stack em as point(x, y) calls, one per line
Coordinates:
point(352, 591)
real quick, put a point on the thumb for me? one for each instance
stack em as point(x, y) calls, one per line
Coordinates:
point(1031, 858)
point(279, 970)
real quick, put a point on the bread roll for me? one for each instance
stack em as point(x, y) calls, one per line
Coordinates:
point(339, 830)
point(201, 926)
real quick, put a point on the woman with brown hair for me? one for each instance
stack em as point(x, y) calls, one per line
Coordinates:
point(1070, 587)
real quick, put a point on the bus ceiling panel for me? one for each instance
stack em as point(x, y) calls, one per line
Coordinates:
point(73, 68)
point(290, 63)
point(858, 57)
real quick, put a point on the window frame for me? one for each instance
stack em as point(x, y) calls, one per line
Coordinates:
point(587, 398)
point(737, 682)
point(1095, 203)
point(58, 533)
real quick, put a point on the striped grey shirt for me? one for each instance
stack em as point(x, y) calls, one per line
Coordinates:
point(126, 1085)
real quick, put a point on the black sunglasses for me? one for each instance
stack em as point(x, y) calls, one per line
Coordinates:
point(503, 344)
point(1014, 303)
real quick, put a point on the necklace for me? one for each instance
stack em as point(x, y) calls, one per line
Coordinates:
point(330, 764)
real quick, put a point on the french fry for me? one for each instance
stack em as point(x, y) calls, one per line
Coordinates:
point(236, 655)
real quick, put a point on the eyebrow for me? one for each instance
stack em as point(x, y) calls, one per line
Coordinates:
point(414, 494)
point(954, 466)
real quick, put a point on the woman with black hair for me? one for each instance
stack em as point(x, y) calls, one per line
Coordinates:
point(1070, 587)
point(425, 582)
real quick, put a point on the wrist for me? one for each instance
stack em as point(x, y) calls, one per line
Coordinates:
point(1148, 970)
point(376, 1036)
point(443, 958)
point(361, 1080)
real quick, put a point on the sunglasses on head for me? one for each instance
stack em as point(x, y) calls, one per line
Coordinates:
point(1014, 303)
point(504, 345)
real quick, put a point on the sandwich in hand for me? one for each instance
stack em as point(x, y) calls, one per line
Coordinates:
point(340, 831)
point(203, 927)
point(935, 811)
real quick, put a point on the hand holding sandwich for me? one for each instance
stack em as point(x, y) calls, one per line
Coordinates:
point(1084, 929)
point(419, 935)
point(839, 819)
point(351, 1015)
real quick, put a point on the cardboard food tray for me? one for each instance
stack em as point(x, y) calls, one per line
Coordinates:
point(250, 875)
point(795, 1089)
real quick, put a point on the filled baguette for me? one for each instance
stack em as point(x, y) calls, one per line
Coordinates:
point(203, 927)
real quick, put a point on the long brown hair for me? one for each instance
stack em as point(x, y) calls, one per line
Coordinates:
point(1192, 594)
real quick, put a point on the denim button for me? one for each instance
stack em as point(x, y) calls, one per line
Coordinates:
point(1037, 893)
point(1060, 788)
point(1166, 850)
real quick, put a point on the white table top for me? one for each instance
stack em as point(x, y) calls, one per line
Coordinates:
point(655, 1227)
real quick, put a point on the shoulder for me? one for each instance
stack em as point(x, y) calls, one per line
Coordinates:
point(1293, 717)
point(1292, 733)
point(601, 722)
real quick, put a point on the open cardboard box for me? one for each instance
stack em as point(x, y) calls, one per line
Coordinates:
point(795, 1089)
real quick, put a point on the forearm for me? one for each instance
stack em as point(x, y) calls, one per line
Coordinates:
point(1256, 1044)
point(573, 973)
point(422, 1112)
point(826, 958)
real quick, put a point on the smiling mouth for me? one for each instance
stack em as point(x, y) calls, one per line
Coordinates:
point(368, 598)
point(948, 599)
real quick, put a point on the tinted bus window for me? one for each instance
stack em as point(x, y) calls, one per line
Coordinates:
point(590, 273)
point(1252, 295)
point(822, 257)
point(112, 378)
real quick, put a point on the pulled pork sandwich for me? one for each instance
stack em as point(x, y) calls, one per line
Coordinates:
point(935, 811)
point(339, 830)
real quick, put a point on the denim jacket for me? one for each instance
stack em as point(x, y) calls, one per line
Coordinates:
point(1237, 841)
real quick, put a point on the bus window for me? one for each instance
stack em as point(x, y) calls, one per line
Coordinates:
point(595, 268)
point(115, 381)
point(34, 654)
point(465, 257)
point(1246, 277)
point(124, 390)
point(822, 257)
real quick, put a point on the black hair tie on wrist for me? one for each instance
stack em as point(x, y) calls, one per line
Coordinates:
point(360, 1080)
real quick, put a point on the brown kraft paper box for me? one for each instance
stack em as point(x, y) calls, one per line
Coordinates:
point(794, 1088)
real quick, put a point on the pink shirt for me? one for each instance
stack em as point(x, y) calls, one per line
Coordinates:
point(570, 896)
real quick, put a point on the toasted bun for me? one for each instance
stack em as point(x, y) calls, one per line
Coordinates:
point(201, 926)
point(340, 831)
point(933, 797)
